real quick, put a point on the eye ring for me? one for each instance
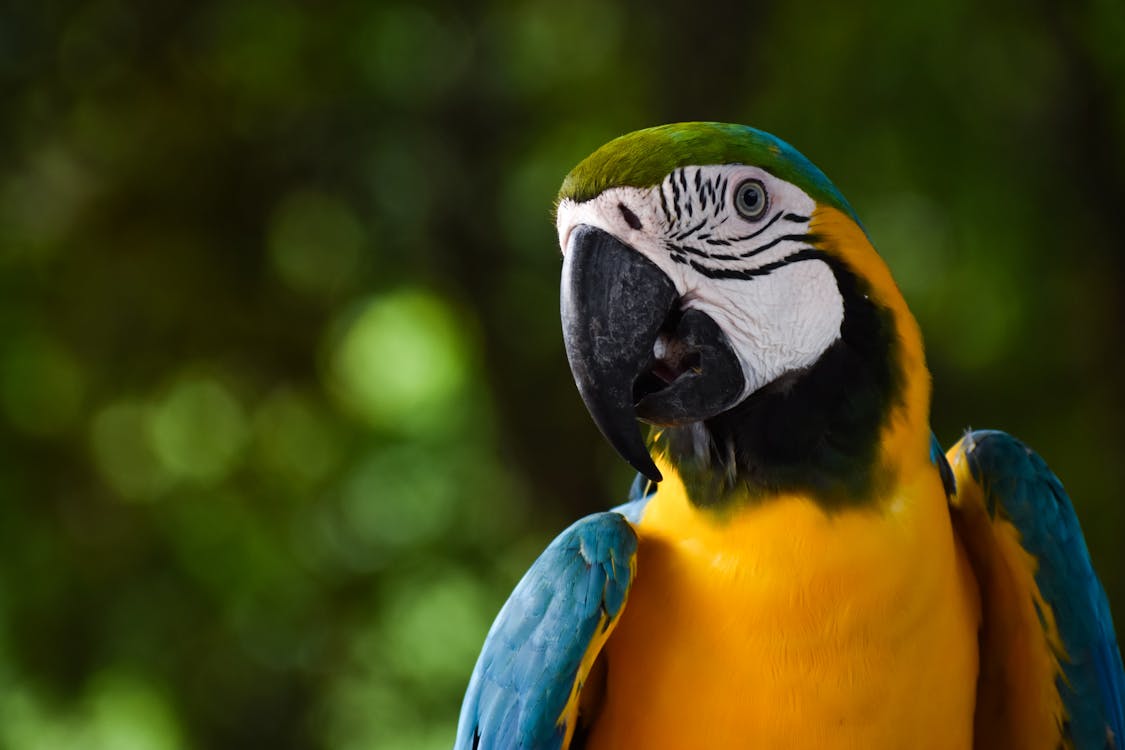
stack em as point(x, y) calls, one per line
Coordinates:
point(751, 200)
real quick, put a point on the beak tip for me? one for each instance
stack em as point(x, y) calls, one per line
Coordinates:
point(641, 460)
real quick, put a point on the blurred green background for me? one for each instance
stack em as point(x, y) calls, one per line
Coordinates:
point(284, 410)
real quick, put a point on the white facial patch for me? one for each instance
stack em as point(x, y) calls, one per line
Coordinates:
point(760, 279)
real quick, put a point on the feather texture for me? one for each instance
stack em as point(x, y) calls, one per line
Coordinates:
point(1047, 639)
point(524, 690)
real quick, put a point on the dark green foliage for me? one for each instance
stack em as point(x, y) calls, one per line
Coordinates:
point(284, 410)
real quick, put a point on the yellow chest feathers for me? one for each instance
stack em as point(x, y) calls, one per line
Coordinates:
point(783, 626)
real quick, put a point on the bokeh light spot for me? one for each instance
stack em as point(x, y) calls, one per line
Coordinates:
point(368, 712)
point(41, 385)
point(126, 713)
point(541, 36)
point(315, 242)
point(255, 48)
point(913, 236)
point(198, 430)
point(396, 50)
point(396, 498)
point(296, 438)
point(123, 453)
point(434, 628)
point(981, 333)
point(39, 205)
point(118, 712)
point(402, 362)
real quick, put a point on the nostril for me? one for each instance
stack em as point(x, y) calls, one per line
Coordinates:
point(629, 217)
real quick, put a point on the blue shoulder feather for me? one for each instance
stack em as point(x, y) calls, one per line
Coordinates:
point(530, 662)
point(640, 492)
point(937, 457)
point(1019, 485)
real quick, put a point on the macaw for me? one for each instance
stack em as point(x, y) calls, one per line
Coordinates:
point(799, 565)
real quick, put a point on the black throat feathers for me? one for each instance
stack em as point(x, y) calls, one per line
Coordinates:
point(815, 430)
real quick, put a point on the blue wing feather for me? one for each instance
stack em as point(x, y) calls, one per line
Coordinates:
point(531, 657)
point(1018, 483)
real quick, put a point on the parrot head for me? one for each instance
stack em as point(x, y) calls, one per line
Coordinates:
point(717, 286)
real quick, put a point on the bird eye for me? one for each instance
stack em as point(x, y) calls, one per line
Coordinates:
point(750, 200)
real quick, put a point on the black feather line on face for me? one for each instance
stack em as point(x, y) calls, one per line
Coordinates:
point(688, 232)
point(684, 186)
point(734, 273)
point(751, 236)
point(805, 253)
point(807, 237)
point(664, 204)
point(689, 250)
point(797, 218)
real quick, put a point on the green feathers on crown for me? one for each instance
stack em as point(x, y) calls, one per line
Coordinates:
point(643, 158)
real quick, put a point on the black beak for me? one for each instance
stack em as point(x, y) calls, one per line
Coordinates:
point(615, 304)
